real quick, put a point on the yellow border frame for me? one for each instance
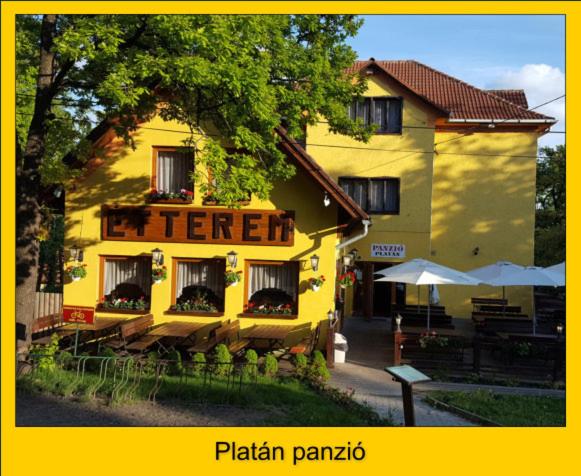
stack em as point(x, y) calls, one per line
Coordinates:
point(145, 451)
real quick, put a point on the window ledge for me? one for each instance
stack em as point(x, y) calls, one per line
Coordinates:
point(177, 201)
point(258, 315)
point(213, 203)
point(112, 310)
point(195, 313)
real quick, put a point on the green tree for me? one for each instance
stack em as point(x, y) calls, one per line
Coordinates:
point(550, 213)
point(232, 78)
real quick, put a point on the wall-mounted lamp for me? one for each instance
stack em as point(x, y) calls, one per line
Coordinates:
point(157, 256)
point(330, 315)
point(347, 260)
point(398, 320)
point(76, 253)
point(315, 262)
point(326, 200)
point(232, 257)
point(475, 251)
point(354, 252)
point(560, 328)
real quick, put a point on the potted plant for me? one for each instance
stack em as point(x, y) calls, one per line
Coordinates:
point(110, 302)
point(232, 278)
point(315, 283)
point(159, 274)
point(346, 280)
point(155, 195)
point(76, 271)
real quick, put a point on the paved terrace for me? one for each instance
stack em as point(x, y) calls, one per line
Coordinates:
point(370, 350)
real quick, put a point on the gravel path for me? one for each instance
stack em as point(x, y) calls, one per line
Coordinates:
point(45, 410)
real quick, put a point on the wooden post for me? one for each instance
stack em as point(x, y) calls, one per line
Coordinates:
point(408, 404)
point(397, 342)
point(331, 344)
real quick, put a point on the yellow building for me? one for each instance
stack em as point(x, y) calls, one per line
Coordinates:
point(449, 176)
point(122, 228)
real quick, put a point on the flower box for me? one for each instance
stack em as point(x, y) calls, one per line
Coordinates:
point(173, 312)
point(114, 310)
point(259, 315)
point(176, 201)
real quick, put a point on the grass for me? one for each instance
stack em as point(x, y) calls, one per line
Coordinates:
point(286, 401)
point(507, 410)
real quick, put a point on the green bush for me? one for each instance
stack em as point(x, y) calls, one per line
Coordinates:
point(301, 364)
point(46, 354)
point(107, 352)
point(318, 368)
point(270, 367)
point(250, 368)
point(151, 362)
point(199, 360)
point(65, 360)
point(175, 367)
point(222, 358)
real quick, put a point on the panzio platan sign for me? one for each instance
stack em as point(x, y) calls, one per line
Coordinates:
point(384, 250)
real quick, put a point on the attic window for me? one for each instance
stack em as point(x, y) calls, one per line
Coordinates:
point(385, 112)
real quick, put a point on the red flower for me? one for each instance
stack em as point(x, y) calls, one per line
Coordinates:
point(189, 192)
point(251, 305)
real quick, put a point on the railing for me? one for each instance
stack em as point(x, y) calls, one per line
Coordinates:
point(47, 304)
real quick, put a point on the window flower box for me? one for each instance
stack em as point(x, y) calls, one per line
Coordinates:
point(160, 196)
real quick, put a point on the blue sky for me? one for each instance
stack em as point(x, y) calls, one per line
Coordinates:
point(489, 51)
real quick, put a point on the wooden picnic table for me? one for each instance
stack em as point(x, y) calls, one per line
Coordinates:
point(271, 333)
point(181, 331)
point(526, 336)
point(100, 324)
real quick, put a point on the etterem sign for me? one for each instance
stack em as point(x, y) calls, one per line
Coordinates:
point(197, 225)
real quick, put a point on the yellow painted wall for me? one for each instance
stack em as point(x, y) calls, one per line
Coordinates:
point(485, 201)
point(124, 178)
point(464, 201)
point(387, 155)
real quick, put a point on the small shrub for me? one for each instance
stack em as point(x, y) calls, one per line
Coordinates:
point(108, 352)
point(199, 366)
point(46, 354)
point(175, 367)
point(65, 360)
point(222, 360)
point(250, 368)
point(270, 367)
point(318, 368)
point(301, 364)
point(151, 362)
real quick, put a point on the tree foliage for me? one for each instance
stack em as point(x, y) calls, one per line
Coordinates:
point(550, 213)
point(230, 78)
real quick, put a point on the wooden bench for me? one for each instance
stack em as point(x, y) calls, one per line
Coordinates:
point(44, 327)
point(130, 331)
point(489, 301)
point(308, 344)
point(136, 330)
point(232, 337)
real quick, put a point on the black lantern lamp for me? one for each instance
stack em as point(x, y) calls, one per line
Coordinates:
point(157, 256)
point(232, 257)
point(315, 262)
point(76, 253)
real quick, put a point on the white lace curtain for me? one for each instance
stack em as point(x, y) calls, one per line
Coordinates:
point(128, 271)
point(282, 277)
point(173, 170)
point(208, 274)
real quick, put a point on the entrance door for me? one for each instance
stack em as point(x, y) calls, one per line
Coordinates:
point(377, 298)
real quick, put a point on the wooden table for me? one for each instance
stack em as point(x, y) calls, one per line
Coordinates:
point(272, 334)
point(183, 332)
point(526, 336)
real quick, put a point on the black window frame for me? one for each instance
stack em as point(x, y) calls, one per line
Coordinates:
point(369, 102)
point(367, 208)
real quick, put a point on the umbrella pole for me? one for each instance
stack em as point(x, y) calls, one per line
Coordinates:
point(429, 303)
point(418, 299)
point(534, 314)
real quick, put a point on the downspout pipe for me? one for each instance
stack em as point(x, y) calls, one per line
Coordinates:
point(363, 234)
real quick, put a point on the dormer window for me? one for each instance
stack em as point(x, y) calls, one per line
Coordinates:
point(385, 112)
point(172, 170)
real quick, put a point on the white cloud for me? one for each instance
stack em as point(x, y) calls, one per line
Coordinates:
point(541, 83)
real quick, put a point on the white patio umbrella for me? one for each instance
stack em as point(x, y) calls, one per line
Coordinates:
point(556, 273)
point(421, 271)
point(497, 271)
point(528, 276)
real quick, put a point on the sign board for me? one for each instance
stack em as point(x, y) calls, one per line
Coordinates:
point(197, 225)
point(384, 250)
point(79, 314)
point(407, 374)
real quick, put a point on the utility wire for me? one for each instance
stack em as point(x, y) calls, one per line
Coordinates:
point(499, 122)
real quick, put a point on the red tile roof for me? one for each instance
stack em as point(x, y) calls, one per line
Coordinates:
point(459, 99)
point(515, 96)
